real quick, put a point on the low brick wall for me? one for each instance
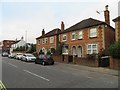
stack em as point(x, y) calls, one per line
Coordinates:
point(86, 62)
point(114, 63)
point(76, 60)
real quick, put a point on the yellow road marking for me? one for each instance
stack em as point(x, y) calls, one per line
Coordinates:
point(2, 86)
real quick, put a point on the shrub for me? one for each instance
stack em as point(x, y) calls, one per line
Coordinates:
point(114, 50)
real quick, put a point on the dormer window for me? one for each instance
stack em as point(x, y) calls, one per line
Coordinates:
point(93, 32)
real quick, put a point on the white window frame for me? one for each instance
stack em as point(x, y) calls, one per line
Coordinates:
point(43, 40)
point(46, 40)
point(65, 50)
point(38, 41)
point(93, 32)
point(52, 39)
point(80, 35)
point(92, 49)
point(64, 35)
point(73, 33)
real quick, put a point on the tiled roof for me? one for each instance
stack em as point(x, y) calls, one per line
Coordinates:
point(51, 33)
point(116, 19)
point(16, 41)
point(84, 24)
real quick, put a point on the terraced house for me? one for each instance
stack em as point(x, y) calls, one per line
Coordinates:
point(86, 37)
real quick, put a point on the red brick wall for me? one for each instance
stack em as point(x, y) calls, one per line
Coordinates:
point(109, 36)
point(114, 63)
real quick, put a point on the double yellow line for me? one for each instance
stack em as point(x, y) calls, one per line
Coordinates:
point(2, 86)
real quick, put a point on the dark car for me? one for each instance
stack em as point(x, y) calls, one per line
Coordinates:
point(44, 60)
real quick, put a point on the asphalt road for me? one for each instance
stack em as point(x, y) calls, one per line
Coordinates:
point(20, 74)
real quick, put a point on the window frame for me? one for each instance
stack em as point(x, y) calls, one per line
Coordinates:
point(52, 41)
point(46, 39)
point(73, 33)
point(91, 49)
point(64, 35)
point(38, 41)
point(43, 40)
point(81, 35)
point(92, 33)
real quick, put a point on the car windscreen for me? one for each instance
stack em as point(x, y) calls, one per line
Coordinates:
point(30, 55)
point(48, 56)
point(41, 56)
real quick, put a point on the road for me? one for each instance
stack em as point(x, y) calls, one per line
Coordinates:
point(20, 74)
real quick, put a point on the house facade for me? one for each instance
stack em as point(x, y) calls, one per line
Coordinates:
point(6, 45)
point(17, 43)
point(117, 28)
point(48, 41)
point(87, 37)
point(90, 36)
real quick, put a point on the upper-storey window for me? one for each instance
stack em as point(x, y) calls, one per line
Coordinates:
point(46, 40)
point(52, 39)
point(64, 37)
point(80, 36)
point(73, 36)
point(43, 41)
point(38, 41)
point(93, 32)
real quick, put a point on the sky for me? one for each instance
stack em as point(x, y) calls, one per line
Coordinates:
point(27, 18)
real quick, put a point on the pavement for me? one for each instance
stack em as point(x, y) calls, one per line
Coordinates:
point(103, 70)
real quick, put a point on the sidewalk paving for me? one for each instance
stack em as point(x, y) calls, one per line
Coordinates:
point(103, 70)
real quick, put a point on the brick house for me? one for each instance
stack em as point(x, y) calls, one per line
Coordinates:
point(47, 41)
point(117, 28)
point(86, 37)
point(6, 45)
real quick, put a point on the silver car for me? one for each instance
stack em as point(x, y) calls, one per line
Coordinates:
point(18, 56)
point(28, 57)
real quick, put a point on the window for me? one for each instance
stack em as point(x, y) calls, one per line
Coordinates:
point(38, 42)
point(93, 32)
point(46, 40)
point(64, 37)
point(65, 49)
point(43, 41)
point(92, 48)
point(73, 36)
point(51, 39)
point(80, 35)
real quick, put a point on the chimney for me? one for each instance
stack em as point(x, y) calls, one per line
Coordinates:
point(43, 32)
point(62, 26)
point(107, 15)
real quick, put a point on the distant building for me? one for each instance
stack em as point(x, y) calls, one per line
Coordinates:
point(6, 45)
point(117, 28)
point(18, 43)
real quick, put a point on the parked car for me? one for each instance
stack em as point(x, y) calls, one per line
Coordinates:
point(11, 55)
point(18, 56)
point(28, 57)
point(44, 59)
point(5, 54)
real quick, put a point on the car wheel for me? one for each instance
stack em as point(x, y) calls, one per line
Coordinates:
point(43, 63)
point(26, 60)
point(52, 63)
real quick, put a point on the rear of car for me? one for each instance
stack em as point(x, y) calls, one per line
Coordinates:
point(19, 56)
point(44, 60)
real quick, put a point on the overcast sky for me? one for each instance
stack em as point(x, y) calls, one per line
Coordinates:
point(33, 15)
